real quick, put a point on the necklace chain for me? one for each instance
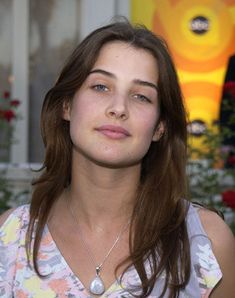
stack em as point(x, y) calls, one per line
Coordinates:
point(98, 267)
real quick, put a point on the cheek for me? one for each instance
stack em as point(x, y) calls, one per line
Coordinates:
point(76, 119)
point(81, 117)
point(149, 123)
point(81, 109)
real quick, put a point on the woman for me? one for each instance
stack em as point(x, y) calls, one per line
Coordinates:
point(107, 216)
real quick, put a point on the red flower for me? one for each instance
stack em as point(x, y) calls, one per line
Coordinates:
point(231, 160)
point(229, 87)
point(9, 115)
point(6, 94)
point(14, 102)
point(228, 197)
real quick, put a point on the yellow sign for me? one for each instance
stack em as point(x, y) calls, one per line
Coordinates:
point(201, 38)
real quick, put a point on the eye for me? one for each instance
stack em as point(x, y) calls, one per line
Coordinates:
point(100, 88)
point(142, 98)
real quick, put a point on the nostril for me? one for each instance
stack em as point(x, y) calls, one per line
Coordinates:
point(117, 114)
point(112, 113)
point(123, 116)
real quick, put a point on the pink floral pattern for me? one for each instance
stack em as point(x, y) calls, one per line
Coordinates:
point(17, 279)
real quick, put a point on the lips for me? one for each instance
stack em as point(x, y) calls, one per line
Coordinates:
point(113, 131)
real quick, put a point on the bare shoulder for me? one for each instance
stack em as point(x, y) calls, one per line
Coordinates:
point(216, 228)
point(223, 245)
point(5, 215)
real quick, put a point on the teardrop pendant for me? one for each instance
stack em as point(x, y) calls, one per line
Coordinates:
point(97, 286)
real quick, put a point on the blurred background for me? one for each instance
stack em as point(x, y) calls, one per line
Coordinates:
point(37, 36)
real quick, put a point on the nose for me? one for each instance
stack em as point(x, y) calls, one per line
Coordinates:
point(118, 108)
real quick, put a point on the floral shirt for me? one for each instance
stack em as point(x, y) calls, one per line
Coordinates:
point(18, 279)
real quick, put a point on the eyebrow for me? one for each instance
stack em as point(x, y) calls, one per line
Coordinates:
point(136, 81)
point(104, 72)
point(146, 83)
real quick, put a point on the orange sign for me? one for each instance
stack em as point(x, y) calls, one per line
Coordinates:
point(201, 38)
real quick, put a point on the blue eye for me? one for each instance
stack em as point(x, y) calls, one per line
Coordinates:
point(142, 97)
point(100, 87)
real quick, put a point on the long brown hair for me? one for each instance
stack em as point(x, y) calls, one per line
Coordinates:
point(158, 230)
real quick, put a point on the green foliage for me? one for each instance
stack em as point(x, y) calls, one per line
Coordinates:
point(209, 178)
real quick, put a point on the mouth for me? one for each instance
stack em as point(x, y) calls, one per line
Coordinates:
point(113, 132)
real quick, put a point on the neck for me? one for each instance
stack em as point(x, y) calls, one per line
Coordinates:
point(98, 195)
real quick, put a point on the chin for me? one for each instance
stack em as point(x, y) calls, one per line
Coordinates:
point(115, 163)
point(119, 165)
point(112, 159)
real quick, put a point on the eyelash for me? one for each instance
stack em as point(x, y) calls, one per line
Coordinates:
point(103, 88)
point(142, 97)
point(100, 88)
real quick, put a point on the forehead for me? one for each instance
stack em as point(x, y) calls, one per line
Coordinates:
point(118, 55)
point(125, 47)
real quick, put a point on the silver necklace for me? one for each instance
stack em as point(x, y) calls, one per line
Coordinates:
point(97, 285)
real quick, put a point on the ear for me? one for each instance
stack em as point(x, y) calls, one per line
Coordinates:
point(159, 131)
point(66, 110)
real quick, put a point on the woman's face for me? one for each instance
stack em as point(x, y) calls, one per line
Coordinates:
point(114, 115)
